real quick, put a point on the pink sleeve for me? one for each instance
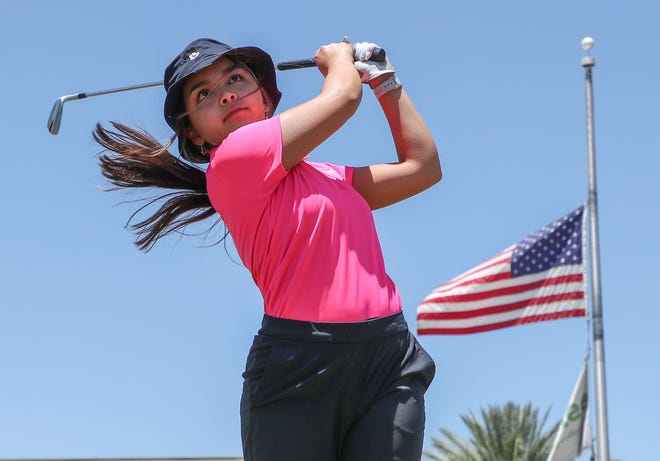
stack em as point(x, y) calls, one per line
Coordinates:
point(348, 174)
point(248, 163)
point(332, 170)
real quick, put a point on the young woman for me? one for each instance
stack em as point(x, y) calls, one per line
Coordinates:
point(334, 373)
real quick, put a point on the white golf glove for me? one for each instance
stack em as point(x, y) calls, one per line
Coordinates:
point(362, 51)
point(370, 69)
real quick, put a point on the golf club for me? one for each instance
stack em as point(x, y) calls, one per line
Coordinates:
point(55, 118)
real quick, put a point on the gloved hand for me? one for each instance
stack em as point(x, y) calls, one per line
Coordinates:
point(370, 69)
point(362, 51)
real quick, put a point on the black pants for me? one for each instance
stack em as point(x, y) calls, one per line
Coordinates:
point(334, 391)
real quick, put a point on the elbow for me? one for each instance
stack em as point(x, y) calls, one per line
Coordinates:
point(352, 97)
point(353, 90)
point(437, 170)
point(346, 102)
point(432, 168)
point(342, 91)
point(347, 95)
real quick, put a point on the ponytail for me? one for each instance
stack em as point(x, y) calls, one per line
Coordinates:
point(135, 159)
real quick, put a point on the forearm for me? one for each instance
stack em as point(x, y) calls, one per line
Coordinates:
point(342, 81)
point(307, 125)
point(340, 94)
point(413, 140)
point(418, 166)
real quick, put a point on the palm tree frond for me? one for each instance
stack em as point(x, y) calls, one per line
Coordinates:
point(511, 432)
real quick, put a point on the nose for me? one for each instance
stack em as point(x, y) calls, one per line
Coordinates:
point(227, 98)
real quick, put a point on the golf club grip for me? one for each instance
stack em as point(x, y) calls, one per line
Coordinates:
point(378, 55)
point(298, 64)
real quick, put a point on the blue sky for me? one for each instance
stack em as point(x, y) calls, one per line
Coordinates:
point(108, 352)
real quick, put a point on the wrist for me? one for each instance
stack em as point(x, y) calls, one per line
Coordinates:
point(374, 82)
point(388, 84)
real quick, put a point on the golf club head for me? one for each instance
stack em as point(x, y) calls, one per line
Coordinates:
point(55, 117)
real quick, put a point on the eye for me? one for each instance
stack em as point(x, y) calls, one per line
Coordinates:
point(202, 94)
point(234, 78)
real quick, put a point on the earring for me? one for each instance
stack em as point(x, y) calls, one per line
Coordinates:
point(204, 149)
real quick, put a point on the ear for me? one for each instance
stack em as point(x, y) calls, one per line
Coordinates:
point(194, 136)
point(266, 101)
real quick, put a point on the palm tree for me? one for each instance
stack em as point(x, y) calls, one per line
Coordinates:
point(508, 433)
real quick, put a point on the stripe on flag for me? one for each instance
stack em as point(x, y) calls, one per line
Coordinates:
point(541, 278)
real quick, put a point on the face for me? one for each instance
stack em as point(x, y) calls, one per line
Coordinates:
point(220, 99)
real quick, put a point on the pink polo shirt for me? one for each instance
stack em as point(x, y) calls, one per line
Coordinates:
point(306, 236)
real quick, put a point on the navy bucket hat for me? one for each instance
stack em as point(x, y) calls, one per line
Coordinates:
point(198, 55)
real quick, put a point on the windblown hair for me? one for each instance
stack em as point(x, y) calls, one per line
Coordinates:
point(134, 159)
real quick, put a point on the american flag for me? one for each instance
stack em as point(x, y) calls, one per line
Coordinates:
point(543, 277)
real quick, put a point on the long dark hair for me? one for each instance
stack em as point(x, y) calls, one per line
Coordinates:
point(135, 159)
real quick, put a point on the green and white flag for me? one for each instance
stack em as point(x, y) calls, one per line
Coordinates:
point(574, 434)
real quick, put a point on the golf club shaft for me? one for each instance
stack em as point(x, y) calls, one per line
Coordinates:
point(89, 94)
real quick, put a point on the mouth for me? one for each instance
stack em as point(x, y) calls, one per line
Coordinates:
point(233, 111)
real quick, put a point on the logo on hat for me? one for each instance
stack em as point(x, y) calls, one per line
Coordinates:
point(192, 54)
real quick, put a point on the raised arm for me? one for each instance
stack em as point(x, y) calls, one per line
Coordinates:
point(307, 125)
point(418, 165)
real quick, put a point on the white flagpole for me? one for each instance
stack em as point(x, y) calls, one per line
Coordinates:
point(603, 451)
